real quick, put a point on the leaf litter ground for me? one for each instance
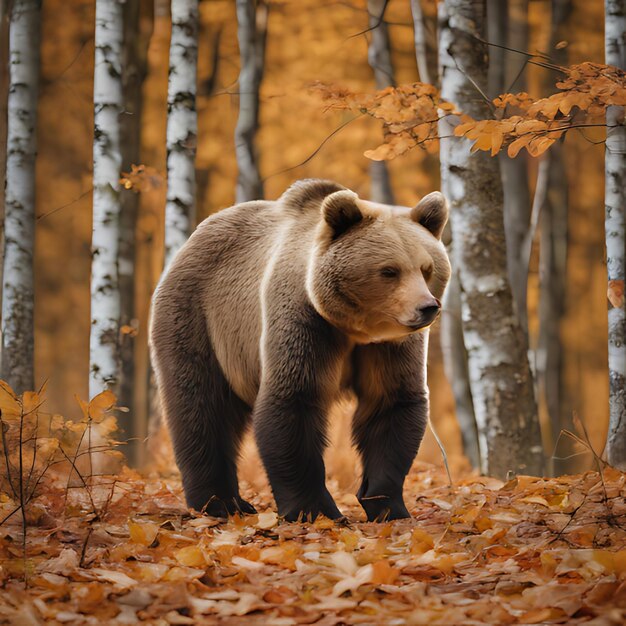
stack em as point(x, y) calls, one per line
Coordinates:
point(528, 551)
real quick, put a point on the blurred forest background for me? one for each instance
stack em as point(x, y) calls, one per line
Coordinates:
point(306, 42)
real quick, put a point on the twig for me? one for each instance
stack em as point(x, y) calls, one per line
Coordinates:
point(443, 450)
point(476, 85)
point(379, 21)
point(316, 151)
point(6, 456)
point(64, 206)
point(93, 504)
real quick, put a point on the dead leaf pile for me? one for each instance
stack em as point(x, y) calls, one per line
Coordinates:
point(529, 551)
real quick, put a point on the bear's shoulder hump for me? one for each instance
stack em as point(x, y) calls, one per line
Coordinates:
point(308, 193)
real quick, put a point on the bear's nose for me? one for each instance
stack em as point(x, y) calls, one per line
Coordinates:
point(429, 310)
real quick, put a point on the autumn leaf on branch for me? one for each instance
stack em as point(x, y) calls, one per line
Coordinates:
point(410, 113)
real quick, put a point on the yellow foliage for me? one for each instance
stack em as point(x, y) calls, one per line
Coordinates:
point(410, 113)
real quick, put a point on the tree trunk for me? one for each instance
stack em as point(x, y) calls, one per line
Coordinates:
point(137, 31)
point(553, 238)
point(455, 365)
point(500, 380)
point(104, 345)
point(182, 127)
point(419, 38)
point(4, 94)
point(552, 268)
point(379, 57)
point(451, 338)
point(515, 183)
point(252, 30)
point(19, 222)
point(497, 18)
point(615, 217)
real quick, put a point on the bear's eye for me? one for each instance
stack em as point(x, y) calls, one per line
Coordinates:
point(427, 272)
point(390, 271)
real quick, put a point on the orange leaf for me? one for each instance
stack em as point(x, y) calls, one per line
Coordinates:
point(9, 403)
point(143, 533)
point(383, 573)
point(496, 141)
point(517, 145)
point(190, 556)
point(101, 404)
point(615, 293)
point(421, 541)
point(538, 145)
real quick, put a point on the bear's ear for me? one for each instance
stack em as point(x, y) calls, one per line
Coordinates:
point(340, 211)
point(432, 213)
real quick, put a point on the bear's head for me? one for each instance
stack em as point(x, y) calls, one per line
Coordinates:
point(377, 272)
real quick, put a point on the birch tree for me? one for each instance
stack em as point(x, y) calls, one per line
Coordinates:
point(4, 94)
point(379, 57)
point(252, 30)
point(19, 222)
point(452, 344)
point(615, 218)
point(182, 126)
point(104, 355)
point(500, 380)
point(421, 45)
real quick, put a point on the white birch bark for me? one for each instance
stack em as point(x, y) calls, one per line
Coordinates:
point(104, 358)
point(4, 95)
point(615, 211)
point(182, 126)
point(456, 367)
point(500, 380)
point(19, 222)
point(379, 57)
point(251, 33)
point(451, 338)
point(419, 39)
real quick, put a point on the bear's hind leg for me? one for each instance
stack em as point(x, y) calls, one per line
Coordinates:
point(205, 417)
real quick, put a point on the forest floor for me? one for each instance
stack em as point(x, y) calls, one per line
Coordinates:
point(126, 550)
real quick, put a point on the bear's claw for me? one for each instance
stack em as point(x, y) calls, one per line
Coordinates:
point(216, 507)
point(383, 508)
point(310, 511)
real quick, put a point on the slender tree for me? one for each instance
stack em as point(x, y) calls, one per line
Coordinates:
point(550, 211)
point(456, 365)
point(4, 93)
point(182, 126)
point(379, 56)
point(421, 44)
point(500, 379)
point(104, 345)
point(19, 222)
point(452, 343)
point(615, 218)
point(508, 26)
point(252, 18)
point(138, 22)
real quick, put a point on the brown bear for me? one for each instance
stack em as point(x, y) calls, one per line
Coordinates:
point(268, 312)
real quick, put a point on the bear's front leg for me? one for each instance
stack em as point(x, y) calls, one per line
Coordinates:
point(300, 377)
point(290, 436)
point(389, 422)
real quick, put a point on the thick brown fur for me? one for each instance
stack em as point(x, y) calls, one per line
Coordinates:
point(268, 311)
